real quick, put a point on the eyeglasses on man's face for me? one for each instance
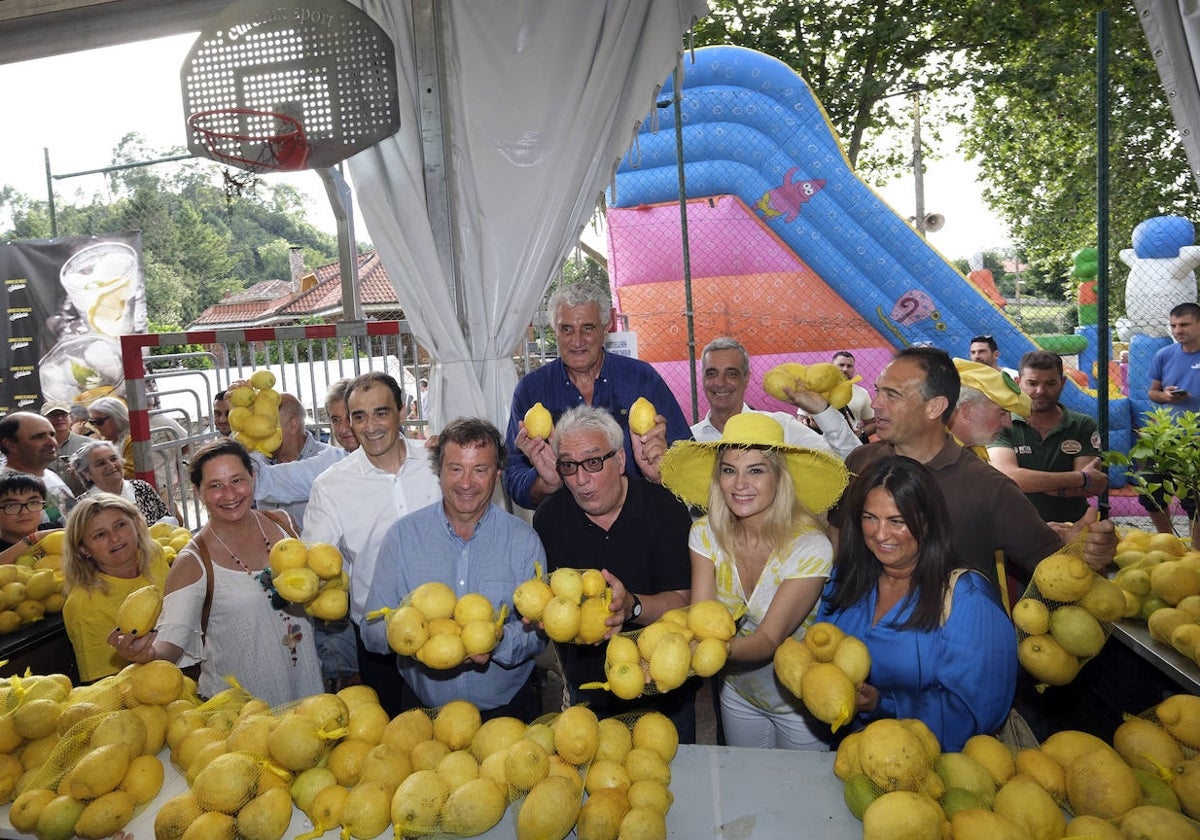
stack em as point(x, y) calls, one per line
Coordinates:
point(13, 508)
point(592, 465)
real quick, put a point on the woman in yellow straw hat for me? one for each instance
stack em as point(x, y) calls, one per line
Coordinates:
point(761, 552)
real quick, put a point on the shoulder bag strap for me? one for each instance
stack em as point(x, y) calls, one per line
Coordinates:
point(283, 521)
point(206, 562)
point(948, 601)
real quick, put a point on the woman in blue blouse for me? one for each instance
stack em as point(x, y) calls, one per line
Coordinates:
point(942, 649)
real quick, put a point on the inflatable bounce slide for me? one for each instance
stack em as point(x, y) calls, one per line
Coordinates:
point(790, 251)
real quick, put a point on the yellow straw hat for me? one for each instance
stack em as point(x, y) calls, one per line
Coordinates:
point(687, 468)
point(996, 385)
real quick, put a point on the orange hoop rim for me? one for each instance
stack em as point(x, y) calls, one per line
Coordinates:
point(282, 151)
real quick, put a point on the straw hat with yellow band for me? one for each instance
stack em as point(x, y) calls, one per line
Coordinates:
point(687, 468)
point(994, 384)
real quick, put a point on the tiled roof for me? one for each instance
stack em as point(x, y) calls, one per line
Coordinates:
point(273, 302)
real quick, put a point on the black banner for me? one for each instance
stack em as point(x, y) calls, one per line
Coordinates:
point(65, 303)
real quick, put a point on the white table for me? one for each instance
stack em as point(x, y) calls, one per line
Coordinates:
point(720, 792)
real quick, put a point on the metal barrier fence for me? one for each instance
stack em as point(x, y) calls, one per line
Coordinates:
point(170, 393)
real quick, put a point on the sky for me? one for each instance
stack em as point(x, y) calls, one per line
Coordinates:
point(80, 105)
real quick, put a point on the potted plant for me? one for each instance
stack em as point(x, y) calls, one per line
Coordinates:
point(1168, 445)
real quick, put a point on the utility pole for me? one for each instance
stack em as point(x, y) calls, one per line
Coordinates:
point(918, 162)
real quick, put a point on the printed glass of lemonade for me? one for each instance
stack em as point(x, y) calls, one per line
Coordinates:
point(100, 282)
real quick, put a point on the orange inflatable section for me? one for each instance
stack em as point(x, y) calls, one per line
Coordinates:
point(775, 313)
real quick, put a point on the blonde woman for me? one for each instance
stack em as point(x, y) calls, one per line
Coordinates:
point(107, 553)
point(761, 552)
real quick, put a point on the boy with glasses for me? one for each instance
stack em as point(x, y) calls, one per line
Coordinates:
point(22, 499)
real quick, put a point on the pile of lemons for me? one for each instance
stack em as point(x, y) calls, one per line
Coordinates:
point(254, 416)
point(824, 671)
point(684, 642)
point(83, 760)
point(1144, 785)
point(1160, 575)
point(440, 629)
point(172, 538)
point(1065, 617)
point(27, 595)
point(823, 378)
point(311, 575)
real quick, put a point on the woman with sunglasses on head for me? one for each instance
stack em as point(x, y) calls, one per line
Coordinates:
point(762, 553)
point(107, 554)
point(110, 417)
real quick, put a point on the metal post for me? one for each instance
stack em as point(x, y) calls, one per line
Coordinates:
point(1103, 337)
point(918, 162)
point(50, 194)
point(683, 231)
point(343, 211)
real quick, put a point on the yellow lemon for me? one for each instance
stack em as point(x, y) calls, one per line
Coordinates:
point(538, 421)
point(641, 416)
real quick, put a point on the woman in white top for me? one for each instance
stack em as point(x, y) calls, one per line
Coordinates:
point(762, 553)
point(267, 647)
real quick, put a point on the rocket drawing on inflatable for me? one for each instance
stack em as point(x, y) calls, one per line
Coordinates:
point(790, 251)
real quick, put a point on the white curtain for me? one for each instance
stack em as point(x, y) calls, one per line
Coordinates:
point(540, 99)
point(1173, 29)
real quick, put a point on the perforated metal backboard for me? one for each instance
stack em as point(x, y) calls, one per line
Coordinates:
point(325, 64)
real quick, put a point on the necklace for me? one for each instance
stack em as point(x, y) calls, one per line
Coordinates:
point(292, 631)
point(229, 551)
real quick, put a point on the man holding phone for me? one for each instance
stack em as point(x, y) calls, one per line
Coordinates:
point(1175, 382)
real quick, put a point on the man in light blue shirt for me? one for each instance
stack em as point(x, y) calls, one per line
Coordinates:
point(471, 545)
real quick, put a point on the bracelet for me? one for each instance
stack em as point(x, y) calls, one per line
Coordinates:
point(1085, 480)
point(30, 539)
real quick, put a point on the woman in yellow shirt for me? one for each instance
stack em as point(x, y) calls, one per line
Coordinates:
point(107, 553)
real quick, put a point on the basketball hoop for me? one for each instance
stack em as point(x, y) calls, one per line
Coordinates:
point(258, 141)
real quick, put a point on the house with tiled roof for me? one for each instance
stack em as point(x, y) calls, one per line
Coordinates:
point(278, 303)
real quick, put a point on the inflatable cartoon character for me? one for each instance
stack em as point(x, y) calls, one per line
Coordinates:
point(787, 197)
point(1160, 275)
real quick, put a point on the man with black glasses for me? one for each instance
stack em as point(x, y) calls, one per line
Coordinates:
point(29, 446)
point(635, 532)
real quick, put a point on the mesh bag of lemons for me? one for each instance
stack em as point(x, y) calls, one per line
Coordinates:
point(312, 575)
point(1160, 578)
point(439, 629)
point(823, 670)
point(1065, 616)
point(823, 378)
point(254, 413)
point(684, 642)
point(81, 761)
point(572, 606)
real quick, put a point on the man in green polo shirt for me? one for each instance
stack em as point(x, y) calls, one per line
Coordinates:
point(1053, 456)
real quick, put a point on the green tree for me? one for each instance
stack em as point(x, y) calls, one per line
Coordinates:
point(1033, 132)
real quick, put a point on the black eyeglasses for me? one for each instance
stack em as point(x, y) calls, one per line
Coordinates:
point(13, 508)
point(592, 465)
point(98, 421)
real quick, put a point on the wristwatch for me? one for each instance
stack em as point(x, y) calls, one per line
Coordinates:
point(636, 612)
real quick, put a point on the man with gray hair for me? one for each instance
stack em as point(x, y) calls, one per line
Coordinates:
point(726, 373)
point(635, 532)
point(585, 374)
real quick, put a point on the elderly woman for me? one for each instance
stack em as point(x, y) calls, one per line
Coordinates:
point(107, 553)
point(110, 417)
point(216, 609)
point(759, 551)
point(942, 649)
point(102, 470)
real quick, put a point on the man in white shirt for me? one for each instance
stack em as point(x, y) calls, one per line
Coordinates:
point(725, 367)
point(357, 500)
